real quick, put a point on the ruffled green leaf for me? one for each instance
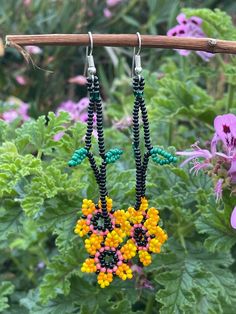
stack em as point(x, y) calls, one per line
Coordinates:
point(6, 288)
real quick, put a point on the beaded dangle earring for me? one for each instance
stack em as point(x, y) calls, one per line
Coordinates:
point(145, 233)
point(105, 230)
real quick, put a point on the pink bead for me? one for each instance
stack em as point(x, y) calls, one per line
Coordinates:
point(97, 254)
point(89, 216)
point(101, 249)
point(87, 222)
point(109, 270)
point(103, 269)
point(113, 249)
point(115, 268)
point(96, 259)
point(98, 266)
point(147, 234)
point(90, 227)
point(119, 263)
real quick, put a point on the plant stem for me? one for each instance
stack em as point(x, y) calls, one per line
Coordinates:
point(170, 135)
point(149, 306)
point(230, 97)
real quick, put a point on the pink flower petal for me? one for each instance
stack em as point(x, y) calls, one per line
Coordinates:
point(113, 3)
point(21, 80)
point(225, 127)
point(233, 218)
point(35, 50)
point(107, 13)
point(79, 79)
point(58, 136)
point(219, 189)
point(181, 18)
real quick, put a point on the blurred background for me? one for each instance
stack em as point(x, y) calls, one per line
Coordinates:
point(45, 91)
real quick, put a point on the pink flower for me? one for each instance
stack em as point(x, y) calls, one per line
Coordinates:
point(225, 131)
point(21, 80)
point(21, 111)
point(197, 153)
point(9, 116)
point(107, 13)
point(113, 3)
point(222, 163)
point(35, 50)
point(218, 189)
point(189, 28)
point(58, 136)
point(77, 111)
point(79, 79)
point(233, 218)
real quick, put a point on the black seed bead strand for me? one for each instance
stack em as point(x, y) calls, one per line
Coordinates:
point(94, 167)
point(89, 132)
point(137, 152)
point(144, 172)
point(98, 102)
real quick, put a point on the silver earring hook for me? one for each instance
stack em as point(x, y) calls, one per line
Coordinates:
point(89, 63)
point(136, 62)
point(139, 44)
point(91, 43)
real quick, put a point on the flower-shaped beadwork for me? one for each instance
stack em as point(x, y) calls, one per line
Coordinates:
point(93, 220)
point(108, 257)
point(145, 233)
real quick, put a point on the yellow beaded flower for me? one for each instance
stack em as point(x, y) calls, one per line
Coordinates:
point(92, 220)
point(109, 258)
point(145, 233)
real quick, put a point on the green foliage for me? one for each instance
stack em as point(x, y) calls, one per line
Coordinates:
point(194, 280)
point(6, 288)
point(40, 196)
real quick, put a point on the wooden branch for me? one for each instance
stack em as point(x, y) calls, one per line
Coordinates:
point(129, 40)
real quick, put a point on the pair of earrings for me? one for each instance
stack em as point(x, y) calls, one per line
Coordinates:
point(113, 238)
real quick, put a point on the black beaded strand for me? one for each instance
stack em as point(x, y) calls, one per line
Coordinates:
point(141, 166)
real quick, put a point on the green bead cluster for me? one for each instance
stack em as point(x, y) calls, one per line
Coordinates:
point(95, 96)
point(78, 156)
point(168, 158)
point(113, 155)
point(138, 93)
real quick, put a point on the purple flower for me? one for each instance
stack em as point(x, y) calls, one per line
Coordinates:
point(77, 111)
point(19, 110)
point(233, 218)
point(189, 28)
point(194, 155)
point(35, 50)
point(221, 160)
point(225, 127)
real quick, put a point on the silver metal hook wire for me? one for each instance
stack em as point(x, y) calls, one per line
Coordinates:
point(89, 63)
point(139, 44)
point(136, 61)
